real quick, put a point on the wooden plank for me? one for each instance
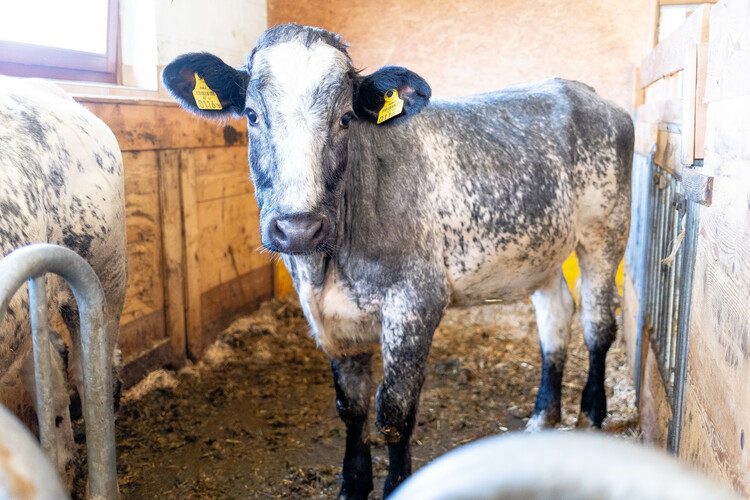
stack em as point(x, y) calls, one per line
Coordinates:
point(236, 297)
point(147, 127)
point(653, 23)
point(689, 92)
point(669, 111)
point(140, 335)
point(701, 108)
point(145, 292)
point(229, 239)
point(174, 255)
point(191, 237)
point(729, 51)
point(727, 127)
point(667, 156)
point(646, 134)
point(669, 56)
point(654, 409)
point(694, 106)
point(718, 400)
point(639, 95)
point(158, 357)
point(684, 2)
point(222, 172)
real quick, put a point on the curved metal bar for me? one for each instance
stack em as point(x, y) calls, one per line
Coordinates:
point(42, 364)
point(33, 261)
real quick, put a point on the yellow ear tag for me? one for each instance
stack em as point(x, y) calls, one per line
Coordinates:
point(392, 107)
point(205, 98)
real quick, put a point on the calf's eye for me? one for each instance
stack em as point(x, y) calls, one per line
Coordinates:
point(252, 117)
point(344, 122)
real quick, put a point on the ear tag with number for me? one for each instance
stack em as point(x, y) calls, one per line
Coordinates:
point(205, 98)
point(392, 107)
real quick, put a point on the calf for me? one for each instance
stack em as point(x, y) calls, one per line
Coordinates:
point(382, 226)
point(61, 181)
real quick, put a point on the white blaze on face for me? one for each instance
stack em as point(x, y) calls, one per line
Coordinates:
point(299, 123)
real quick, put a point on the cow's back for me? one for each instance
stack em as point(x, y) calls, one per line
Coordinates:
point(504, 181)
point(61, 181)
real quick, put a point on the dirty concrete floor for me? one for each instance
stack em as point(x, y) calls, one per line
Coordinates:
point(256, 417)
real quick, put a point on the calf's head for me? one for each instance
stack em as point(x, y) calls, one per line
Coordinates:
point(301, 96)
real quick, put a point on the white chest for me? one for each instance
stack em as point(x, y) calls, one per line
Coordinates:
point(340, 326)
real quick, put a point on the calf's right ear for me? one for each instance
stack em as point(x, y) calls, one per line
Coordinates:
point(205, 85)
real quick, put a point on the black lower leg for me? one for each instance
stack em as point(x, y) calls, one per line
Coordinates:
point(352, 383)
point(547, 406)
point(594, 399)
point(399, 452)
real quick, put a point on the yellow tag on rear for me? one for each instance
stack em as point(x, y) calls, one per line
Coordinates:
point(205, 98)
point(392, 107)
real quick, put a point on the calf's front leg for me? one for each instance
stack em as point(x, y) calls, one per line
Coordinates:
point(406, 339)
point(352, 379)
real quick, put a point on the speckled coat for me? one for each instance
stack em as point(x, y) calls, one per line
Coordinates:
point(452, 202)
point(61, 181)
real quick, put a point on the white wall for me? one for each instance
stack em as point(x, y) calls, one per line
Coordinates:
point(153, 32)
point(227, 28)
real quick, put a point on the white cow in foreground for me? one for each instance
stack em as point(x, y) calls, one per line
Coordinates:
point(61, 181)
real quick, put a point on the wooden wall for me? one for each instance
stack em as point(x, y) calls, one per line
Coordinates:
point(473, 46)
point(696, 88)
point(716, 432)
point(192, 225)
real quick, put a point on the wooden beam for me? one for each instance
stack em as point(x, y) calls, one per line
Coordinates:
point(667, 111)
point(639, 97)
point(689, 84)
point(663, 3)
point(653, 23)
point(191, 236)
point(669, 56)
point(143, 125)
point(174, 256)
point(693, 103)
point(699, 150)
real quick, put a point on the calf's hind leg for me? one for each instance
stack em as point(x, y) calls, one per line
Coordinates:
point(598, 269)
point(352, 380)
point(554, 308)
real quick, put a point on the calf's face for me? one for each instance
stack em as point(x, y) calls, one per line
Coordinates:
point(300, 95)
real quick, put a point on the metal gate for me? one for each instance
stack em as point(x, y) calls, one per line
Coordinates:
point(32, 263)
point(661, 255)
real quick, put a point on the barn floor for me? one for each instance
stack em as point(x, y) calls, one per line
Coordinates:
point(256, 417)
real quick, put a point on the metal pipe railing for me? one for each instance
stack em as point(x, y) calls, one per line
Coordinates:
point(31, 263)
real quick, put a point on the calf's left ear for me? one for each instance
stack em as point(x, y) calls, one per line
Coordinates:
point(370, 92)
point(207, 86)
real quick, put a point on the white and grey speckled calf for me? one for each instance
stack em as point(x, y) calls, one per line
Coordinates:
point(452, 202)
point(61, 181)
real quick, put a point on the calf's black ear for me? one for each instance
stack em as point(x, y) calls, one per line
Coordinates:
point(205, 85)
point(370, 92)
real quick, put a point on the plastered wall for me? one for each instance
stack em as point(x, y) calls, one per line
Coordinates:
point(475, 46)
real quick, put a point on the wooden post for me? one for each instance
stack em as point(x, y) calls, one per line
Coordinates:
point(171, 216)
point(192, 270)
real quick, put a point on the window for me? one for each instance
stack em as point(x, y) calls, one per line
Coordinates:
point(67, 40)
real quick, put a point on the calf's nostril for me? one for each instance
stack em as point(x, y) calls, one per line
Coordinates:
point(318, 231)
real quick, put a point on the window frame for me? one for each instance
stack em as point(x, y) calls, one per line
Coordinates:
point(27, 60)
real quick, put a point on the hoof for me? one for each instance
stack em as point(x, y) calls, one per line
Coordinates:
point(540, 421)
point(585, 422)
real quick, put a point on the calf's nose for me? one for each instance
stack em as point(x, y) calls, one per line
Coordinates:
point(299, 233)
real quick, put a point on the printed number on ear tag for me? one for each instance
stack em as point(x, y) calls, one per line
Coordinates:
point(392, 107)
point(205, 98)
